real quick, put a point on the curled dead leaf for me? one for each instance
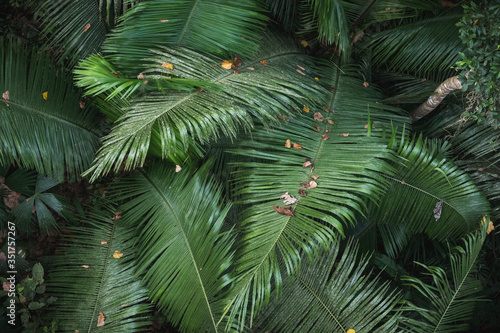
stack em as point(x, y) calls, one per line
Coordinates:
point(317, 127)
point(309, 184)
point(306, 109)
point(169, 66)
point(306, 164)
point(344, 134)
point(288, 199)
point(318, 117)
point(438, 209)
point(100, 319)
point(237, 62)
point(117, 254)
point(263, 62)
point(297, 146)
point(284, 210)
point(302, 192)
point(288, 143)
point(87, 27)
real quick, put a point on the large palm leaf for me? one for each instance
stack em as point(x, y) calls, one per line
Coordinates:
point(173, 121)
point(214, 26)
point(450, 303)
point(333, 294)
point(43, 125)
point(183, 252)
point(94, 279)
point(425, 47)
point(78, 28)
point(422, 180)
point(341, 154)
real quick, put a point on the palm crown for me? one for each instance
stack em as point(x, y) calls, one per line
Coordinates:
point(251, 185)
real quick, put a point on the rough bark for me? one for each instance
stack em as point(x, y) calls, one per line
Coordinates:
point(435, 99)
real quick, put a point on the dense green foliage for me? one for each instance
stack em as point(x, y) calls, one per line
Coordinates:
point(248, 166)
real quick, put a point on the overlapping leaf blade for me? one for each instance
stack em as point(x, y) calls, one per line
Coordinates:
point(261, 90)
point(342, 162)
point(333, 294)
point(183, 252)
point(205, 25)
point(51, 134)
point(88, 280)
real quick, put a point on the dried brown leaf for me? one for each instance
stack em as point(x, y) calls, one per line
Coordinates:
point(288, 143)
point(302, 192)
point(100, 319)
point(309, 184)
point(318, 116)
point(288, 199)
point(297, 146)
point(325, 137)
point(284, 210)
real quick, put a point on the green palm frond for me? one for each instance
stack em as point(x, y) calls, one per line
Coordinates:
point(38, 205)
point(175, 121)
point(183, 252)
point(88, 280)
point(43, 124)
point(422, 48)
point(420, 180)
point(342, 162)
point(333, 26)
point(78, 28)
point(213, 26)
point(334, 294)
point(450, 300)
point(99, 76)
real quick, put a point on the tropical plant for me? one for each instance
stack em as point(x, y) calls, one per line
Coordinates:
point(250, 179)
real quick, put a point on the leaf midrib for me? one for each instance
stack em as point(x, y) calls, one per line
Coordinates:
point(179, 223)
point(188, 22)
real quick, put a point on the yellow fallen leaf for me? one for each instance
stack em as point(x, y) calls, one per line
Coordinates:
point(44, 95)
point(117, 254)
point(288, 143)
point(304, 43)
point(226, 64)
point(167, 66)
point(351, 331)
point(317, 79)
point(100, 319)
point(491, 227)
point(305, 109)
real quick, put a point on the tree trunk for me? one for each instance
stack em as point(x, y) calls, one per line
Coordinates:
point(433, 101)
